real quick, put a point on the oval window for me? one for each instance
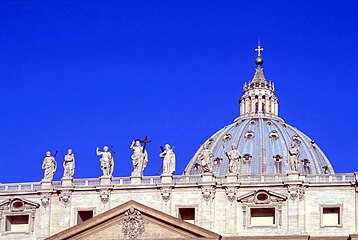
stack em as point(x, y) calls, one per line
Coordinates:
point(262, 197)
point(17, 204)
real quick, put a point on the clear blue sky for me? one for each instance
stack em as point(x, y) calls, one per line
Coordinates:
point(82, 74)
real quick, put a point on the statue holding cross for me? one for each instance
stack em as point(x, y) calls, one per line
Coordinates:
point(139, 156)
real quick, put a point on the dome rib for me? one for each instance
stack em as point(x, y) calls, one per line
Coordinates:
point(254, 139)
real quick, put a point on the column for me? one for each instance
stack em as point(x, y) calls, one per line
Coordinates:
point(260, 104)
point(272, 106)
point(247, 105)
point(267, 104)
point(276, 107)
point(253, 104)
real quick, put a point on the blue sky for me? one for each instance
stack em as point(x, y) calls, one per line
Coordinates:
point(82, 74)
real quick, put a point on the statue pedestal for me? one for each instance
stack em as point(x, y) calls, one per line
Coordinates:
point(207, 177)
point(136, 179)
point(66, 182)
point(166, 178)
point(105, 180)
point(293, 176)
point(46, 184)
point(231, 178)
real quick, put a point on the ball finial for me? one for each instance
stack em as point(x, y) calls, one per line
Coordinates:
point(259, 61)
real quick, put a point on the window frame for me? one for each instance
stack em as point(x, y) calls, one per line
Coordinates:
point(340, 215)
point(93, 209)
point(16, 214)
point(263, 226)
point(196, 214)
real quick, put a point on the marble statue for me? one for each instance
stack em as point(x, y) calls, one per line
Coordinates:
point(168, 156)
point(107, 161)
point(69, 164)
point(205, 158)
point(139, 158)
point(49, 165)
point(293, 154)
point(234, 160)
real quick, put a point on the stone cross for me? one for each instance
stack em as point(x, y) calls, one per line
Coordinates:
point(258, 50)
point(145, 141)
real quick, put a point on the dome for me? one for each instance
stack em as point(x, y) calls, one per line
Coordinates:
point(266, 144)
point(263, 142)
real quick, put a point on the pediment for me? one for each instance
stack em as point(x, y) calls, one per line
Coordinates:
point(261, 196)
point(17, 205)
point(133, 220)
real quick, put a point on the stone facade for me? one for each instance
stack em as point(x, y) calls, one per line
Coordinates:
point(224, 205)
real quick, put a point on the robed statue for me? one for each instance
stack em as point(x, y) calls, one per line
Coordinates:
point(168, 156)
point(234, 160)
point(139, 158)
point(49, 166)
point(205, 157)
point(69, 164)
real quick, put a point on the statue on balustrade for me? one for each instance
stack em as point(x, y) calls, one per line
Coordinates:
point(293, 154)
point(49, 166)
point(69, 164)
point(139, 158)
point(205, 157)
point(234, 160)
point(107, 161)
point(168, 156)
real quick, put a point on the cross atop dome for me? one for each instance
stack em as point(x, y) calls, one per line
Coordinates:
point(258, 50)
point(259, 61)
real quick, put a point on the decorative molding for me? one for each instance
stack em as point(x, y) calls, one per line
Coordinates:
point(19, 206)
point(65, 197)
point(231, 193)
point(45, 199)
point(166, 192)
point(261, 196)
point(244, 211)
point(208, 192)
point(295, 191)
point(133, 224)
point(104, 195)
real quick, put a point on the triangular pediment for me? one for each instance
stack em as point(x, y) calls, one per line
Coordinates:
point(18, 205)
point(133, 220)
point(262, 196)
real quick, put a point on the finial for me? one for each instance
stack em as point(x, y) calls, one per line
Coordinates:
point(259, 61)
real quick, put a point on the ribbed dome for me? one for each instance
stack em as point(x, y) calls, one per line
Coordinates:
point(263, 141)
point(262, 138)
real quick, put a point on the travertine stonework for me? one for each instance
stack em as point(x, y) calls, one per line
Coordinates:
point(221, 205)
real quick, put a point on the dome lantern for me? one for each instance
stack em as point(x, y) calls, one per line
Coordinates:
point(259, 96)
point(267, 145)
